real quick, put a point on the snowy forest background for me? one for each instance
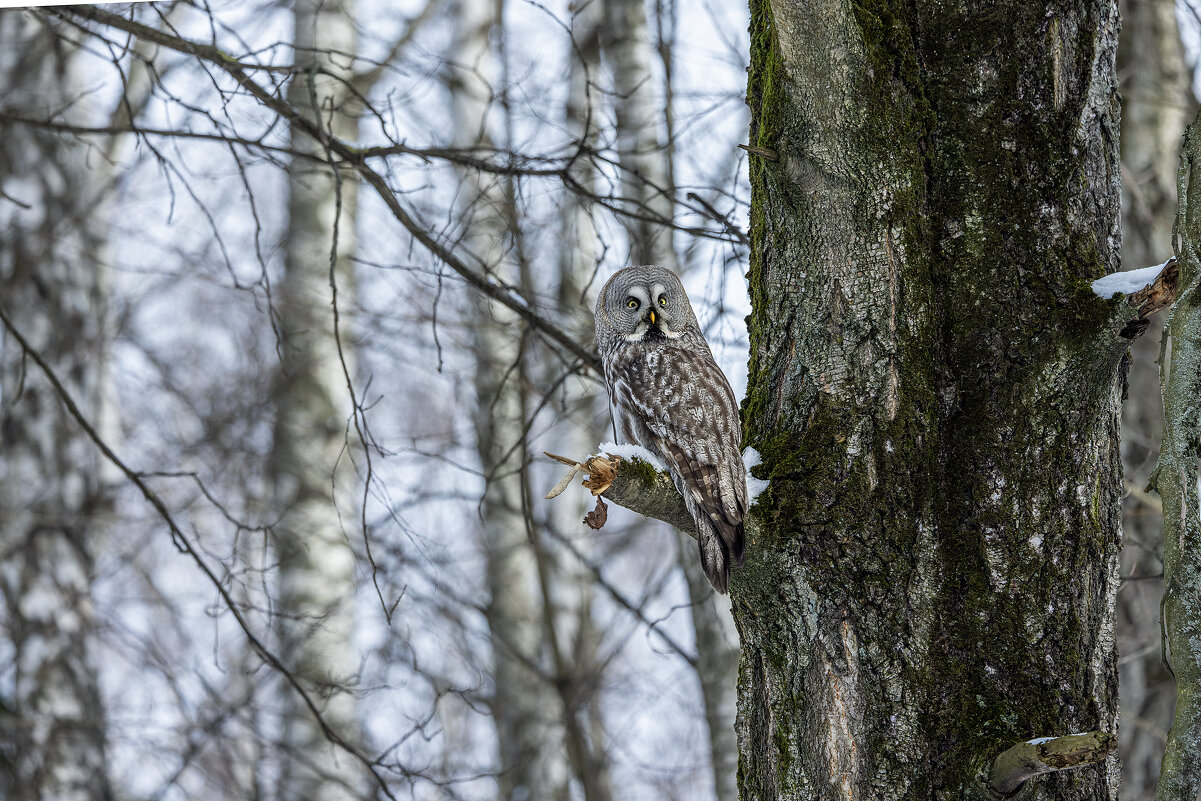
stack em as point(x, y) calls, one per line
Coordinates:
point(289, 540)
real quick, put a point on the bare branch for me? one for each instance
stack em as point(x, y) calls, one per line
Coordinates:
point(1158, 295)
point(184, 544)
point(364, 81)
point(488, 286)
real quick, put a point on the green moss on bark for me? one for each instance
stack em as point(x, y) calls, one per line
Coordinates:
point(764, 97)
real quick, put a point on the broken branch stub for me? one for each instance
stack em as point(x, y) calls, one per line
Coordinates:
point(1047, 755)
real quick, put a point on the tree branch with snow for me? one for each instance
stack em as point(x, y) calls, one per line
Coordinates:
point(1147, 291)
point(632, 477)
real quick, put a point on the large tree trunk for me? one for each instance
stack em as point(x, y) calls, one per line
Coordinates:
point(310, 465)
point(935, 392)
point(52, 498)
point(1156, 105)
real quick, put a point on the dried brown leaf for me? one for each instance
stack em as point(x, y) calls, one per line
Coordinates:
point(595, 519)
point(561, 459)
point(564, 483)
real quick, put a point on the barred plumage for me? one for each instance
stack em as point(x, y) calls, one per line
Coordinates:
point(668, 395)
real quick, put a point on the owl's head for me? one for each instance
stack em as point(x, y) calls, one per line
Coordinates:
point(645, 303)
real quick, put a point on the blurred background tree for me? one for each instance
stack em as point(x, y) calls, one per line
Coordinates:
point(1157, 102)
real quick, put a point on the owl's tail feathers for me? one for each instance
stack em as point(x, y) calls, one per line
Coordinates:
point(738, 544)
point(715, 556)
point(717, 544)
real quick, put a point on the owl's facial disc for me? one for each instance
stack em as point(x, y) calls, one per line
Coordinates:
point(648, 311)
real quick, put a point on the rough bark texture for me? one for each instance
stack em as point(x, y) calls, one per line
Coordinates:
point(310, 468)
point(1177, 479)
point(527, 713)
point(1156, 105)
point(934, 391)
point(52, 498)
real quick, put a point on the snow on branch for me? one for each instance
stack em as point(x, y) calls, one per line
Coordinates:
point(1146, 291)
point(1048, 755)
point(1127, 282)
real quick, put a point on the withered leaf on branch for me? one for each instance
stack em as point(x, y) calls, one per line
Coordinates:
point(564, 482)
point(595, 519)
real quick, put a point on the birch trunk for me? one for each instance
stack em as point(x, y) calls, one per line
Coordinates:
point(570, 610)
point(310, 465)
point(53, 287)
point(646, 179)
point(1156, 103)
point(935, 392)
point(526, 710)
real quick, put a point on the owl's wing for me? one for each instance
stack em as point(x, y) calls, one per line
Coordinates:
point(715, 490)
point(696, 426)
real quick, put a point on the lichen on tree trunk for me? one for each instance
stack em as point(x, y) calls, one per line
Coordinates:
point(934, 390)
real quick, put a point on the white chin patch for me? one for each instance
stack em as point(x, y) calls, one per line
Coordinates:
point(642, 328)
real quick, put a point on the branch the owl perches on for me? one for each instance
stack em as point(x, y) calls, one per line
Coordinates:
point(631, 483)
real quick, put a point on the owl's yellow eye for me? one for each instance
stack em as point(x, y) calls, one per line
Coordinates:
point(663, 300)
point(631, 304)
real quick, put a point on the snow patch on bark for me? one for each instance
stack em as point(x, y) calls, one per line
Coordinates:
point(754, 486)
point(750, 458)
point(1041, 740)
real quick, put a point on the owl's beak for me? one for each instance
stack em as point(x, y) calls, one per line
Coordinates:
point(651, 315)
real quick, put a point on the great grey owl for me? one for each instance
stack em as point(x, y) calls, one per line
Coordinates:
point(668, 395)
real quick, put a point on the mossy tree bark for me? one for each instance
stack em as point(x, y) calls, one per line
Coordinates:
point(935, 392)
